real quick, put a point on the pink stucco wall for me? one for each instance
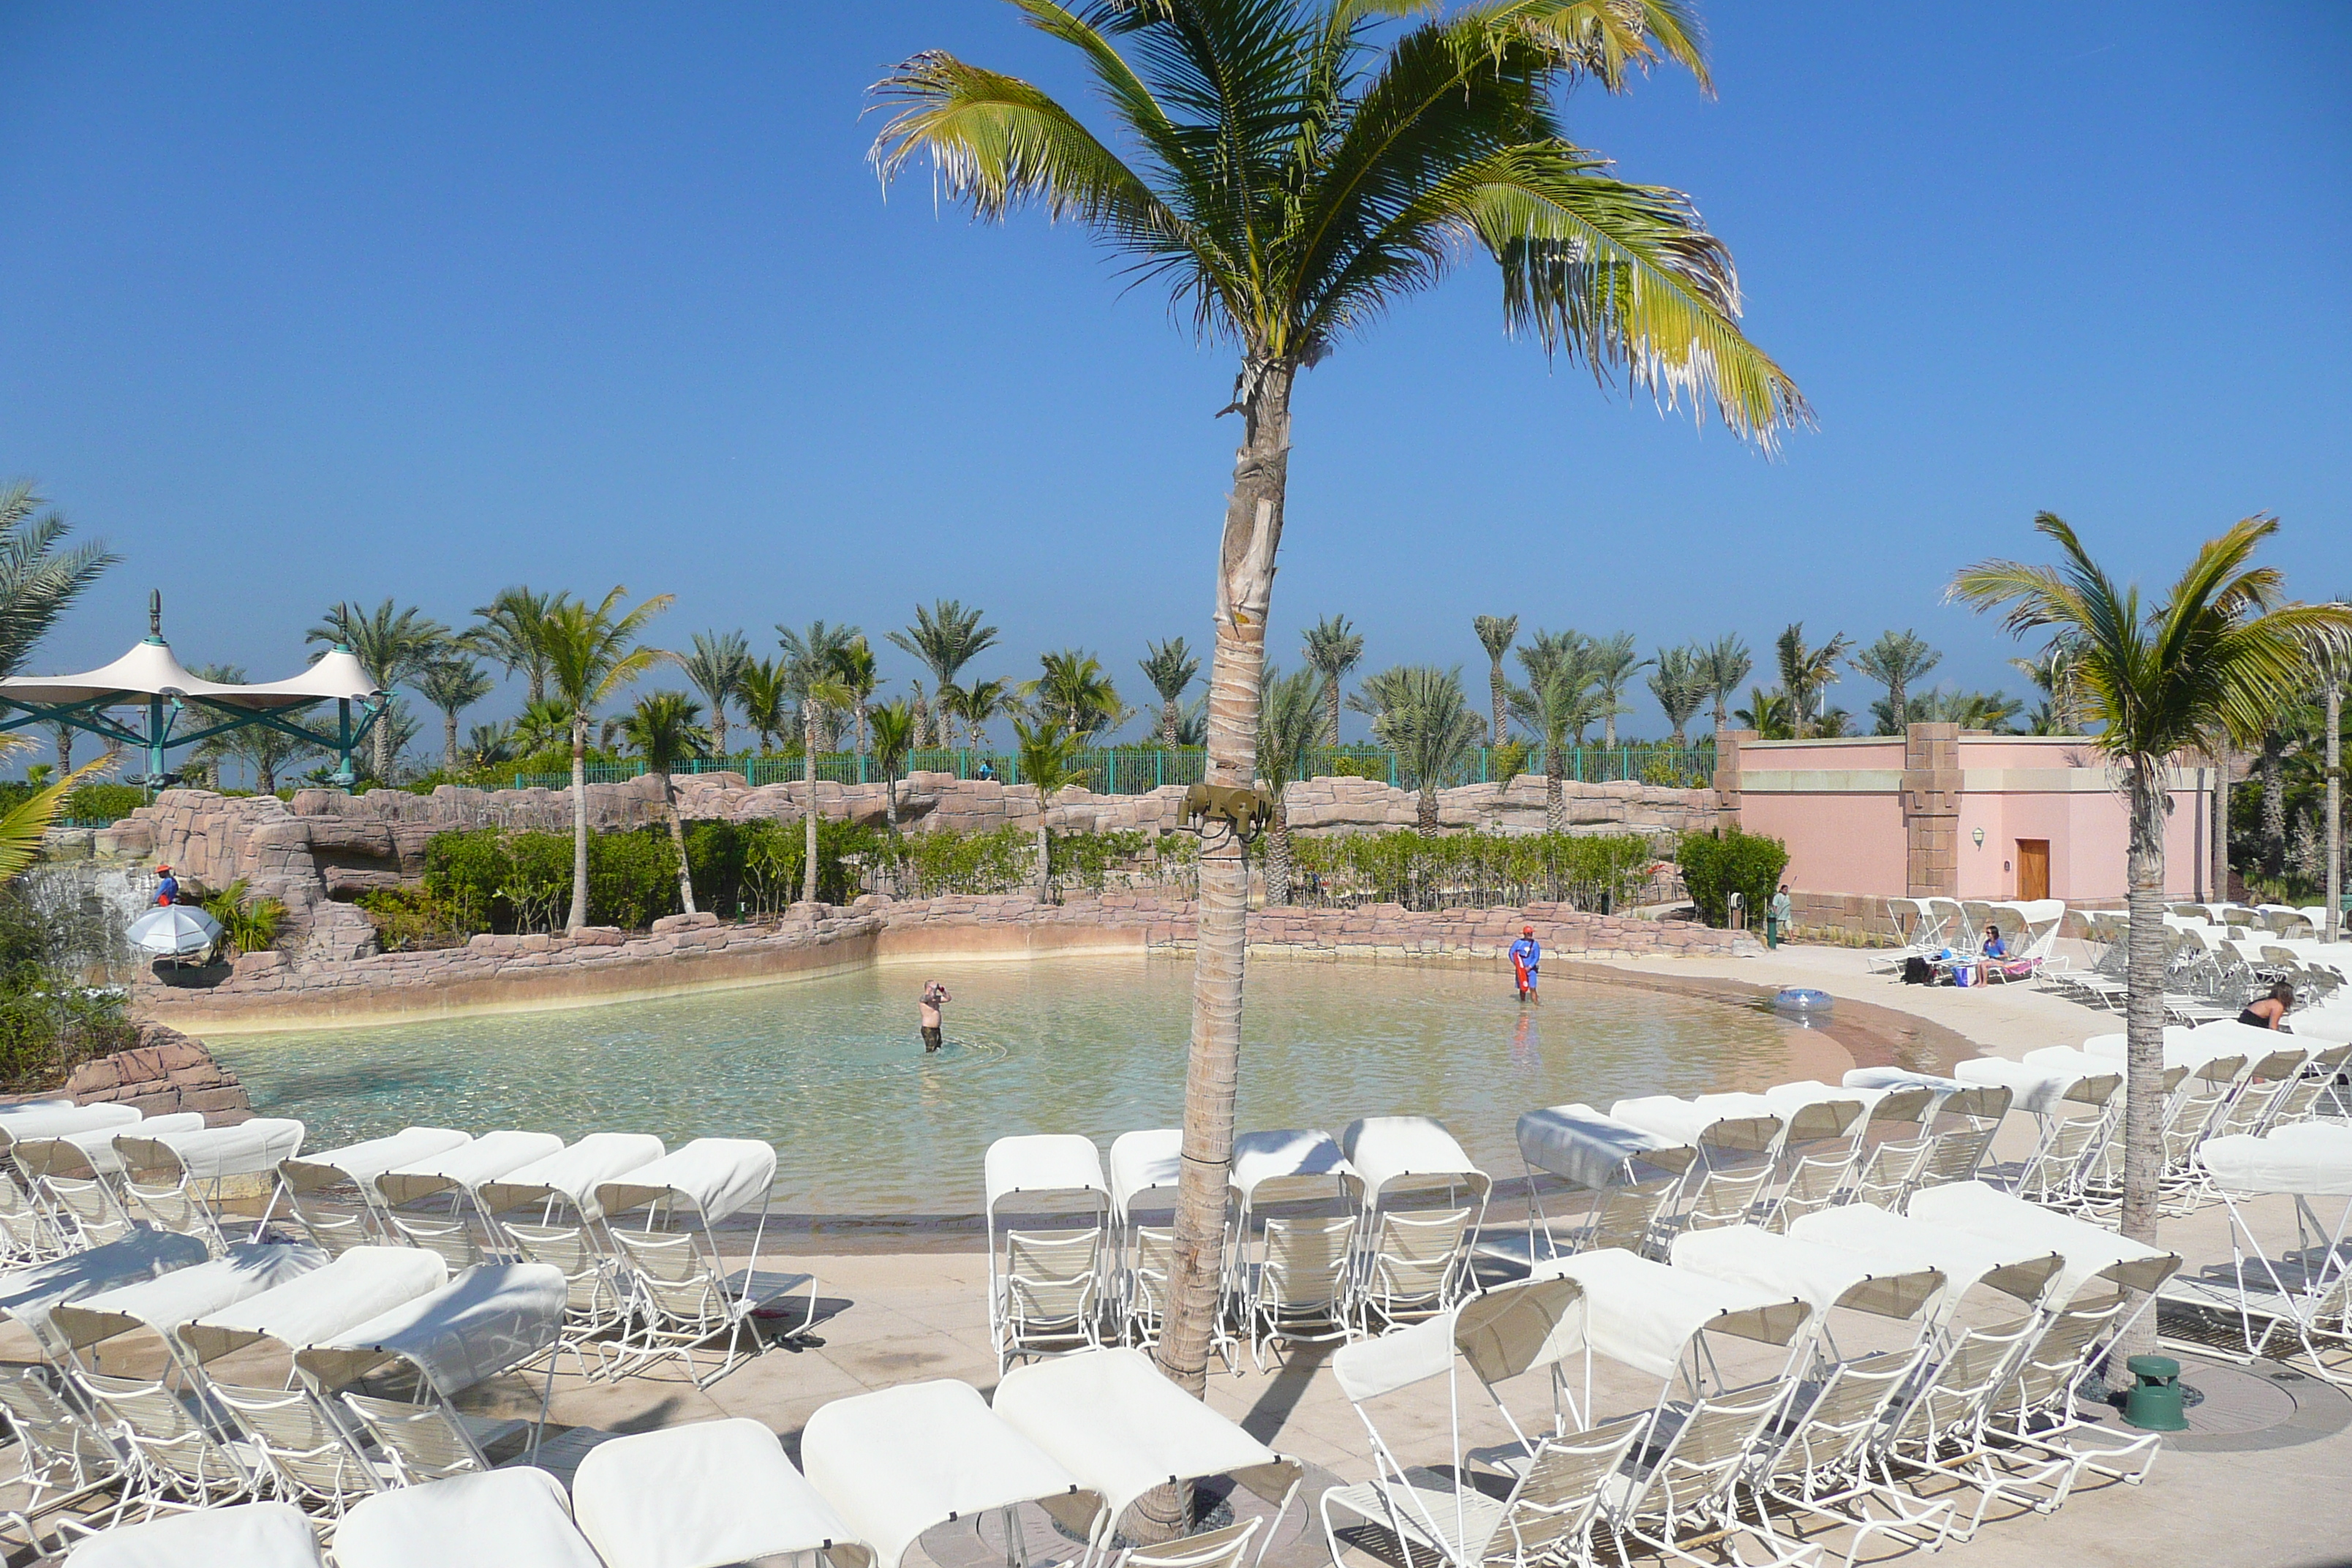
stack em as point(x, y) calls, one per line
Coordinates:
point(1838, 806)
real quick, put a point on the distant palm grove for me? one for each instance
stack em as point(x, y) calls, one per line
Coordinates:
point(1554, 702)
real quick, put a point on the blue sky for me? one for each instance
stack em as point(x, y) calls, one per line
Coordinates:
point(309, 302)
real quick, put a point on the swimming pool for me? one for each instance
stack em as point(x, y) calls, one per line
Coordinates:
point(830, 1070)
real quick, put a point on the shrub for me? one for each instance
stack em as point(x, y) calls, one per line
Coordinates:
point(1716, 864)
point(413, 917)
point(632, 877)
point(1085, 859)
point(249, 924)
point(1375, 766)
point(49, 1022)
point(1591, 871)
point(491, 880)
point(103, 801)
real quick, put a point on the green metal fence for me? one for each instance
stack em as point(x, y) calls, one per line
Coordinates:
point(1138, 770)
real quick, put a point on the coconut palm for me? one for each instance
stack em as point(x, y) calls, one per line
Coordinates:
point(893, 737)
point(946, 636)
point(1767, 713)
point(1495, 634)
point(543, 726)
point(1333, 648)
point(766, 701)
point(23, 827)
point(1675, 682)
point(2199, 671)
point(394, 644)
point(1558, 704)
point(716, 667)
point(1048, 755)
point(452, 683)
point(1072, 690)
point(36, 583)
point(592, 655)
point(1291, 170)
point(1894, 661)
point(666, 729)
point(1722, 664)
point(813, 656)
point(486, 745)
point(511, 631)
point(1289, 723)
point(2331, 665)
point(1806, 673)
point(1170, 667)
point(1614, 664)
point(1418, 711)
point(975, 705)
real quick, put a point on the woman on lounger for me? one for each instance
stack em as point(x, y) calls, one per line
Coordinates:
point(2270, 1012)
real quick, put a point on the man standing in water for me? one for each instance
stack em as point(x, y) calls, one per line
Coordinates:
point(935, 996)
point(1526, 957)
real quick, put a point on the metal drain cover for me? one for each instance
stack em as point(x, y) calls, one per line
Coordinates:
point(2236, 1403)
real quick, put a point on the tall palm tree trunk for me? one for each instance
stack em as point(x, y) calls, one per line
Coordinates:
point(1045, 854)
point(719, 730)
point(1213, 1065)
point(1426, 814)
point(450, 743)
point(2144, 1027)
point(578, 919)
point(384, 748)
point(2334, 805)
point(808, 773)
point(1172, 715)
point(1497, 689)
point(2220, 827)
point(1555, 797)
point(2273, 812)
point(1277, 852)
point(1331, 711)
point(678, 841)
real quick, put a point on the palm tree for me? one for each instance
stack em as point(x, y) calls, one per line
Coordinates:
point(1806, 673)
point(1495, 634)
point(975, 705)
point(1767, 713)
point(1170, 667)
point(717, 666)
point(1614, 665)
point(1894, 661)
point(543, 726)
point(394, 645)
point(2332, 664)
point(854, 668)
point(946, 636)
point(62, 737)
point(592, 656)
point(1676, 683)
point(23, 827)
point(1722, 664)
point(2199, 671)
point(1556, 703)
point(1333, 648)
point(1290, 174)
point(511, 631)
point(1289, 721)
point(1418, 711)
point(1072, 690)
point(488, 744)
point(666, 728)
point(36, 584)
point(813, 656)
point(1048, 760)
point(893, 737)
point(766, 701)
point(452, 683)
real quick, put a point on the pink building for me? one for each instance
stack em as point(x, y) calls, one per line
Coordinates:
point(1965, 815)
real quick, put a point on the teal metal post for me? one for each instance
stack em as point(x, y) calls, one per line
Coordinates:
point(154, 743)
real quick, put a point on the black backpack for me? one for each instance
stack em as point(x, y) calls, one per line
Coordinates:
point(1917, 970)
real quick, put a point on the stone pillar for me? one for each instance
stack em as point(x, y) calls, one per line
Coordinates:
point(1931, 811)
point(1728, 742)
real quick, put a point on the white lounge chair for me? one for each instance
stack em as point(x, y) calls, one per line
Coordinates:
point(704, 1494)
point(249, 1535)
point(518, 1517)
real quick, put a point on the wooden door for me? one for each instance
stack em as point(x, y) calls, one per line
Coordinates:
point(2032, 868)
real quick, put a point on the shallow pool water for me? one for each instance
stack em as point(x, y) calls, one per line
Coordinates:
point(833, 1072)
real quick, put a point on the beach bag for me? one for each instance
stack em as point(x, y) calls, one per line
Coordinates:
point(1917, 970)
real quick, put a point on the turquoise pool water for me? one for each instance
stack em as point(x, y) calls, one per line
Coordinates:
point(832, 1072)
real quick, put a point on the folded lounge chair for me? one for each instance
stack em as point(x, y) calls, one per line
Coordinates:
point(702, 1495)
point(1423, 1199)
point(249, 1535)
point(172, 1181)
point(518, 1517)
point(1293, 1208)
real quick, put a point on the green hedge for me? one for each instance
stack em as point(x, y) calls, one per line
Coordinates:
point(1716, 864)
point(1596, 871)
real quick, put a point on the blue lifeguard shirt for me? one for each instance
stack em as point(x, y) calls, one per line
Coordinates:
point(1526, 954)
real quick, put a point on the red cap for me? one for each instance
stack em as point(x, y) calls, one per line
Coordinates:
point(162, 871)
point(1527, 931)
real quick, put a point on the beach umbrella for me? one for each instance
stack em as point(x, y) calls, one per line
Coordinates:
point(174, 931)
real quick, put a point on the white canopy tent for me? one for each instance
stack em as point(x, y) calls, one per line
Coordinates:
point(209, 1153)
point(466, 1167)
point(29, 1295)
point(571, 1175)
point(1121, 1428)
point(161, 1304)
point(904, 1460)
point(249, 1535)
point(703, 1495)
point(2091, 1252)
point(319, 1304)
point(2022, 1268)
point(1726, 1123)
point(516, 1518)
point(488, 1320)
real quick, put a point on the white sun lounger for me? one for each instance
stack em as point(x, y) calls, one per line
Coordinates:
point(333, 1193)
point(1821, 1276)
point(510, 1519)
point(2021, 1269)
point(1424, 1198)
point(1630, 1173)
point(161, 1304)
point(49, 1118)
point(171, 1180)
point(1289, 1278)
point(1046, 1284)
point(455, 1228)
point(1144, 1164)
point(28, 1295)
point(702, 1495)
point(1111, 1420)
point(903, 1460)
point(249, 1535)
point(2303, 1290)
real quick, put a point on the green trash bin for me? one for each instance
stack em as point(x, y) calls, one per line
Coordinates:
point(2154, 1403)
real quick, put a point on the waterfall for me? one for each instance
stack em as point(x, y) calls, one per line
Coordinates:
point(87, 905)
